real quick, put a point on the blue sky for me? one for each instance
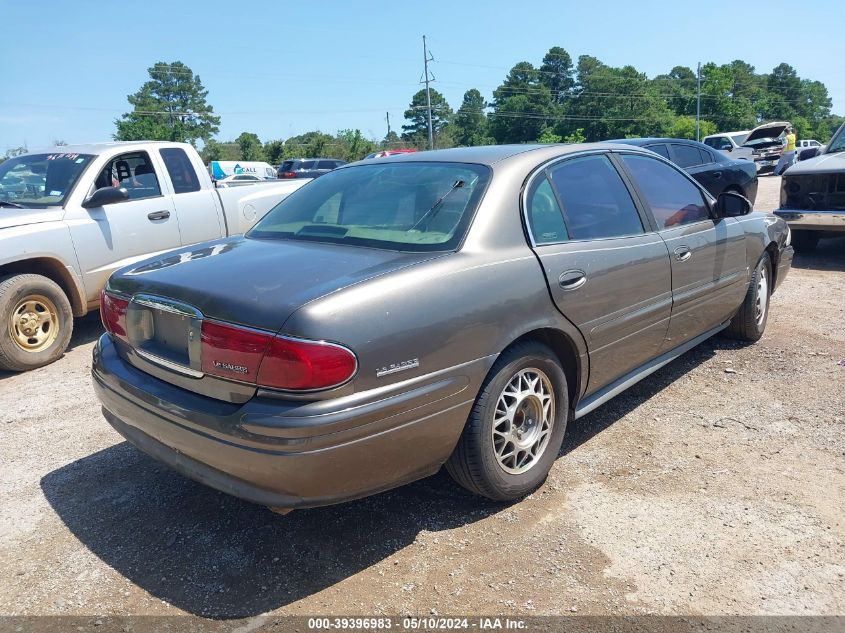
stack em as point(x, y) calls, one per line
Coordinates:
point(280, 69)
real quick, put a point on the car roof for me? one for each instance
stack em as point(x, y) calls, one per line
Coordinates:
point(493, 154)
point(99, 148)
point(650, 141)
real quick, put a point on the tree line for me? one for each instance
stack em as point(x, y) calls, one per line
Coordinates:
point(559, 100)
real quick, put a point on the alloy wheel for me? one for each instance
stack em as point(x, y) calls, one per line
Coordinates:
point(523, 420)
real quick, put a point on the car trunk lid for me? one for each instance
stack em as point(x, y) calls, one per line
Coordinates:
point(251, 283)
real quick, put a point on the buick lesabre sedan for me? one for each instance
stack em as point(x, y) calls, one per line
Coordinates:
point(458, 307)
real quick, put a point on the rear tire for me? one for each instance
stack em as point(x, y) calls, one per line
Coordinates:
point(36, 322)
point(749, 323)
point(805, 241)
point(516, 426)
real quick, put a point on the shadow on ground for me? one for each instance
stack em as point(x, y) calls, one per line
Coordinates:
point(217, 556)
point(828, 255)
point(85, 330)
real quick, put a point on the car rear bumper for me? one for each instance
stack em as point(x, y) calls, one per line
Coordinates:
point(813, 220)
point(290, 454)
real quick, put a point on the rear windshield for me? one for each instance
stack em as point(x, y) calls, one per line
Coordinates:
point(397, 206)
point(41, 180)
point(288, 165)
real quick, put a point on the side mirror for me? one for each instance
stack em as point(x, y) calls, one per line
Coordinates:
point(729, 148)
point(811, 152)
point(730, 205)
point(104, 196)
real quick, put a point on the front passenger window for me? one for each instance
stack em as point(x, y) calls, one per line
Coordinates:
point(132, 171)
point(673, 199)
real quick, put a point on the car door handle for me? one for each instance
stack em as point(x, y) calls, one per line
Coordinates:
point(683, 253)
point(158, 215)
point(572, 279)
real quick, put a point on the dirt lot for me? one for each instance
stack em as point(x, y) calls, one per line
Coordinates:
point(713, 487)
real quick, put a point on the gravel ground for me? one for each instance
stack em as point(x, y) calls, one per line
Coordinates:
point(713, 487)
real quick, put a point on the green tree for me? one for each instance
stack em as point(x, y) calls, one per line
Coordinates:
point(684, 127)
point(679, 89)
point(470, 123)
point(171, 106)
point(557, 73)
point(274, 151)
point(416, 130)
point(352, 145)
point(523, 107)
point(314, 144)
point(549, 137)
point(391, 140)
point(250, 146)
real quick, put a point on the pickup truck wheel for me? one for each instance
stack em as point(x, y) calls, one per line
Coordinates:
point(804, 241)
point(749, 323)
point(515, 429)
point(37, 322)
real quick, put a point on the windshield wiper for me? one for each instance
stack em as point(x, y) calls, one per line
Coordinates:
point(432, 211)
point(13, 205)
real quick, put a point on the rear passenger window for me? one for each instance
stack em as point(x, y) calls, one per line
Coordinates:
point(306, 164)
point(659, 149)
point(180, 170)
point(544, 216)
point(326, 164)
point(686, 155)
point(706, 156)
point(673, 199)
point(596, 203)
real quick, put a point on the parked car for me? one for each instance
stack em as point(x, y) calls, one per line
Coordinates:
point(72, 215)
point(812, 195)
point(388, 152)
point(767, 142)
point(730, 144)
point(806, 144)
point(242, 179)
point(222, 169)
point(394, 315)
point(308, 167)
point(714, 170)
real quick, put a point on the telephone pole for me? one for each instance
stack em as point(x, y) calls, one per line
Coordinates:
point(387, 116)
point(427, 80)
point(698, 107)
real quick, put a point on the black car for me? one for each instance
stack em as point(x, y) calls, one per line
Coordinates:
point(715, 171)
point(308, 167)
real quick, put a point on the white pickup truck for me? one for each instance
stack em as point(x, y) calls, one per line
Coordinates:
point(71, 215)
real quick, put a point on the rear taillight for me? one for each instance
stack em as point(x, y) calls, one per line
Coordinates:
point(275, 362)
point(232, 351)
point(288, 174)
point(298, 365)
point(113, 313)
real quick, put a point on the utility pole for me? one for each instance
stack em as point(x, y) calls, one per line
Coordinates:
point(698, 107)
point(428, 79)
point(387, 116)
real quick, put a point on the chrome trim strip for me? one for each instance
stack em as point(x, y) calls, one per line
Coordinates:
point(604, 394)
point(167, 305)
point(168, 364)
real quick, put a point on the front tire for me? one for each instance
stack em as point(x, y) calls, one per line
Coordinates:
point(37, 322)
point(749, 323)
point(516, 427)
